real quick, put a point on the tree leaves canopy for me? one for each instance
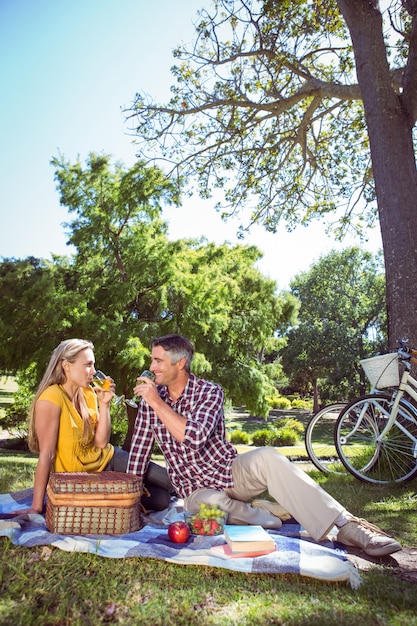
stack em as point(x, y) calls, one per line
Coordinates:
point(342, 319)
point(266, 106)
point(127, 283)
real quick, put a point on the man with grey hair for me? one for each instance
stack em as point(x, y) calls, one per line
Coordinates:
point(184, 414)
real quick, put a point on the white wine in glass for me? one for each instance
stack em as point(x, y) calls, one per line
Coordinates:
point(145, 374)
point(100, 379)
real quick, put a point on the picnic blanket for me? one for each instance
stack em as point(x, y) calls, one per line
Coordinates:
point(297, 553)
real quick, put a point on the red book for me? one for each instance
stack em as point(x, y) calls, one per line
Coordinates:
point(224, 550)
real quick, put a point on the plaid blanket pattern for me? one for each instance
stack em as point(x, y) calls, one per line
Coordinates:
point(296, 554)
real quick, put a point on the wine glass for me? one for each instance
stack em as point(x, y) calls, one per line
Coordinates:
point(145, 374)
point(100, 379)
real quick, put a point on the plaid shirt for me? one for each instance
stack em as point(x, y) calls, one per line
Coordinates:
point(203, 460)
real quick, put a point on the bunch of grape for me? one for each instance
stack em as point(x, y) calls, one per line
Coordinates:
point(208, 521)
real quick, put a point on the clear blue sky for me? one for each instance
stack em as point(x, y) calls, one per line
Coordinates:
point(67, 70)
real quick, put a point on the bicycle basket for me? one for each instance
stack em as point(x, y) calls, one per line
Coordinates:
point(382, 371)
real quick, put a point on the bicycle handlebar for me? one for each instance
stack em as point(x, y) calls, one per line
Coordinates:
point(405, 353)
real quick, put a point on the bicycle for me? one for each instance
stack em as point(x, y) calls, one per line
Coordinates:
point(319, 439)
point(376, 435)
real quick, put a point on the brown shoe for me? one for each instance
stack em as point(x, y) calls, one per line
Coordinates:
point(371, 539)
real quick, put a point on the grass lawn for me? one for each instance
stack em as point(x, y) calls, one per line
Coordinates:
point(41, 585)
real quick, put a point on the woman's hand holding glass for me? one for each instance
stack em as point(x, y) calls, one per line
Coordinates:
point(102, 383)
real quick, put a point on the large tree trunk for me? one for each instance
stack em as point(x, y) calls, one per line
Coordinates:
point(393, 162)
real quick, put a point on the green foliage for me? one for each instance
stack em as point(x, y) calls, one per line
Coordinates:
point(273, 114)
point(292, 423)
point(273, 366)
point(279, 402)
point(284, 436)
point(298, 403)
point(128, 283)
point(119, 424)
point(261, 437)
point(266, 129)
point(232, 313)
point(123, 257)
point(16, 414)
point(284, 432)
point(239, 436)
point(40, 306)
point(342, 319)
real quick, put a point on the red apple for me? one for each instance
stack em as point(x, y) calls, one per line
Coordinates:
point(178, 532)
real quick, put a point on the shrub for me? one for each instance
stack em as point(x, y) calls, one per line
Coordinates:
point(285, 432)
point(284, 436)
point(292, 423)
point(282, 403)
point(239, 436)
point(302, 404)
point(279, 402)
point(261, 437)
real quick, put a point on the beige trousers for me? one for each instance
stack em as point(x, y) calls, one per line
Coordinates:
point(266, 469)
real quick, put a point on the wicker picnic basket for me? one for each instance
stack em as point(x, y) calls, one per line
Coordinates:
point(382, 370)
point(82, 503)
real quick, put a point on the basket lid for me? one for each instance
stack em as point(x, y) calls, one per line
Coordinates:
point(95, 482)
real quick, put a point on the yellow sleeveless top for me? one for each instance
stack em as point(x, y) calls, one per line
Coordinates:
point(71, 454)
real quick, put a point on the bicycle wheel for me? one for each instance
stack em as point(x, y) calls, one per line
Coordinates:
point(319, 439)
point(392, 459)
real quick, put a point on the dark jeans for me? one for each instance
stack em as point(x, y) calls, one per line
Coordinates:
point(156, 481)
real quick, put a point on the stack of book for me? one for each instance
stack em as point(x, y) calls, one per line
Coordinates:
point(247, 541)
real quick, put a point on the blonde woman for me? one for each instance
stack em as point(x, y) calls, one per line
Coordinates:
point(70, 426)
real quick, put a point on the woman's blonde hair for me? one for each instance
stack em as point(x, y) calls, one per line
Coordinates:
point(67, 350)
